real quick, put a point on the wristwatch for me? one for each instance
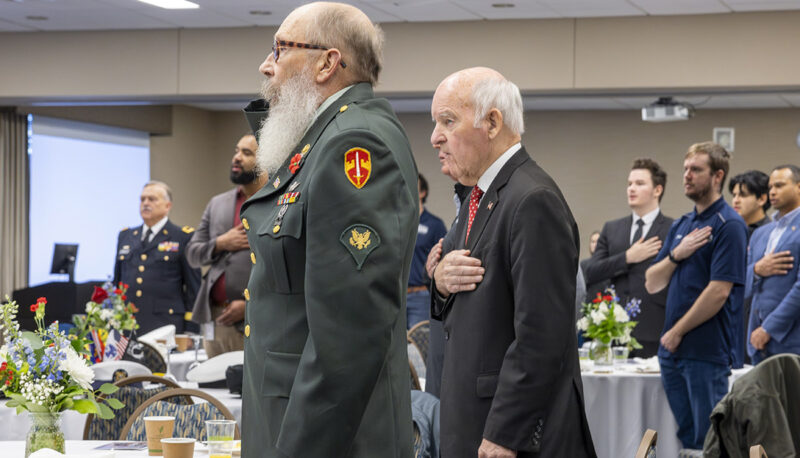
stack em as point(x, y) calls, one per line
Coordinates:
point(672, 257)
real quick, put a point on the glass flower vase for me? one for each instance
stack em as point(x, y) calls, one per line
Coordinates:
point(602, 354)
point(45, 432)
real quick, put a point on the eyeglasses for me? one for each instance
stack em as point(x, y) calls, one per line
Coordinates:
point(278, 44)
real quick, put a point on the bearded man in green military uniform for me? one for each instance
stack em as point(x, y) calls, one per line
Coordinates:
point(332, 234)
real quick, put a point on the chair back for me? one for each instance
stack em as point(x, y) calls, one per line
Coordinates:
point(647, 446)
point(757, 451)
point(147, 355)
point(132, 396)
point(190, 420)
point(419, 335)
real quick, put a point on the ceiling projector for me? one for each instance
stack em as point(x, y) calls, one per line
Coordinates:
point(665, 109)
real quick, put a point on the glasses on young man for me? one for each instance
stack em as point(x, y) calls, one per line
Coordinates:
point(278, 44)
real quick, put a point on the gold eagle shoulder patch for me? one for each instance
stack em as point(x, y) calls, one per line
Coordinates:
point(360, 240)
point(187, 229)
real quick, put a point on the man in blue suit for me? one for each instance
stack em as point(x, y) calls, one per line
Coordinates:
point(773, 277)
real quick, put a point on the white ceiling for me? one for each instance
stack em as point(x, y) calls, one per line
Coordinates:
point(67, 15)
point(48, 15)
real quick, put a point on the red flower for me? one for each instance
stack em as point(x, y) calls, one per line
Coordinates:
point(294, 165)
point(124, 286)
point(118, 291)
point(608, 298)
point(133, 308)
point(41, 300)
point(34, 307)
point(3, 366)
point(124, 297)
point(99, 295)
point(597, 299)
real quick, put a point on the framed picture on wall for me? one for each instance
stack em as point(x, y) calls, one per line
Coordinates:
point(723, 136)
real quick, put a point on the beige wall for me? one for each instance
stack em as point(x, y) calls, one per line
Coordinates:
point(730, 51)
point(589, 154)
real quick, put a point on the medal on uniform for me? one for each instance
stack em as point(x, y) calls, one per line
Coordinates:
point(279, 219)
point(293, 186)
point(288, 198)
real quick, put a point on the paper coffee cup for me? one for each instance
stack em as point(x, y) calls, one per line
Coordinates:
point(157, 428)
point(178, 447)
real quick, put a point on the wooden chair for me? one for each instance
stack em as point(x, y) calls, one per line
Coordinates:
point(757, 451)
point(190, 420)
point(647, 446)
point(415, 385)
point(132, 396)
point(419, 335)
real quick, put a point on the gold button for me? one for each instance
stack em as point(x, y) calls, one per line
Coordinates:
point(245, 224)
point(166, 258)
point(139, 280)
point(343, 109)
point(306, 148)
point(165, 232)
point(246, 294)
point(122, 258)
point(141, 268)
point(253, 257)
point(247, 331)
point(170, 311)
point(144, 257)
point(139, 293)
point(276, 228)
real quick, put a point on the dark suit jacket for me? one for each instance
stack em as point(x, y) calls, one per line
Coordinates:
point(608, 263)
point(162, 283)
point(326, 369)
point(511, 371)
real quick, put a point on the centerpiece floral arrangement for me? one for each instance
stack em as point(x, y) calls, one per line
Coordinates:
point(108, 318)
point(46, 372)
point(606, 321)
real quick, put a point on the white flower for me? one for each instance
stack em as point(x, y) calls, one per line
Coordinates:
point(603, 308)
point(620, 314)
point(106, 314)
point(597, 316)
point(583, 324)
point(3, 353)
point(77, 368)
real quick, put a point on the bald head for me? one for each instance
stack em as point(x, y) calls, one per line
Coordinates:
point(346, 28)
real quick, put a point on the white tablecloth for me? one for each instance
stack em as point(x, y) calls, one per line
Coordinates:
point(179, 362)
point(16, 449)
point(622, 405)
point(15, 427)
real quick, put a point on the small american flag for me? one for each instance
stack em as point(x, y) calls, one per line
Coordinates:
point(116, 344)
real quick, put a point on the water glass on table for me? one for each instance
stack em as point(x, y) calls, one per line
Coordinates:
point(220, 438)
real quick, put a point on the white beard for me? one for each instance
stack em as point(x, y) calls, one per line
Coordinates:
point(291, 111)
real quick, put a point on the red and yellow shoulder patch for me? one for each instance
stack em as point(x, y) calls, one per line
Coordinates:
point(357, 166)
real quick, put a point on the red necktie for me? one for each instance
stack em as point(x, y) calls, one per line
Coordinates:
point(474, 200)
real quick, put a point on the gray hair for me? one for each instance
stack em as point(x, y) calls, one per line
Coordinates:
point(360, 41)
point(503, 95)
point(162, 185)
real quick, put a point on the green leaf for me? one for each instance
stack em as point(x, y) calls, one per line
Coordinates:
point(104, 412)
point(108, 388)
point(85, 406)
point(34, 340)
point(114, 403)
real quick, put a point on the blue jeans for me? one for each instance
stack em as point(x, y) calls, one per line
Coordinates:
point(418, 307)
point(693, 389)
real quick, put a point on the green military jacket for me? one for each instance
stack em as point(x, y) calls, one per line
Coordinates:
point(332, 233)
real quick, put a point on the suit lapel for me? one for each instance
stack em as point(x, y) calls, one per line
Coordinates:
point(788, 234)
point(283, 176)
point(491, 200)
point(655, 226)
point(160, 236)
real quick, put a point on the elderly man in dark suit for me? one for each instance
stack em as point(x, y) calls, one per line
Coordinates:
point(505, 287)
point(628, 245)
point(220, 242)
point(332, 234)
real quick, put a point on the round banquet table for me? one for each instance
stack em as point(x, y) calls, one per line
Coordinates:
point(84, 449)
point(623, 404)
point(15, 427)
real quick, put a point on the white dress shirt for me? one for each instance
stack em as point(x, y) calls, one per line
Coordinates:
point(154, 230)
point(648, 223)
point(491, 173)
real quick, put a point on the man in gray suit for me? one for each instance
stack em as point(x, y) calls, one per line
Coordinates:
point(220, 242)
